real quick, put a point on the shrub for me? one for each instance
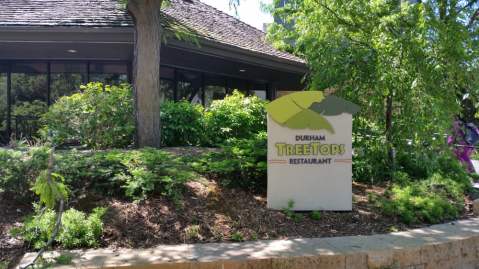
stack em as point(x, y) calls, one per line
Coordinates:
point(131, 173)
point(100, 116)
point(77, 230)
point(370, 155)
point(236, 116)
point(19, 169)
point(433, 200)
point(149, 171)
point(182, 124)
point(240, 163)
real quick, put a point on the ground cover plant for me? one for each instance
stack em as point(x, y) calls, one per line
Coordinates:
point(239, 163)
point(77, 230)
point(133, 174)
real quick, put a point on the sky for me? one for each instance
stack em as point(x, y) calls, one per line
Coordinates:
point(249, 11)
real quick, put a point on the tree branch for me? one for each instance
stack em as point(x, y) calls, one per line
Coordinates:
point(468, 5)
point(336, 15)
point(473, 18)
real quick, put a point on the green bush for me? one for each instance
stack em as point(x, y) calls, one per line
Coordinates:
point(433, 200)
point(182, 124)
point(131, 173)
point(370, 155)
point(100, 116)
point(236, 116)
point(239, 163)
point(19, 169)
point(149, 171)
point(77, 230)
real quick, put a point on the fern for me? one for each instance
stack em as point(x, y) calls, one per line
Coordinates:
point(50, 188)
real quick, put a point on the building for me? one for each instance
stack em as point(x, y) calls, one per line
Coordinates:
point(49, 47)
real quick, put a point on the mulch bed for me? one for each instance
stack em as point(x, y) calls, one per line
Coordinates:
point(209, 213)
point(216, 213)
point(11, 215)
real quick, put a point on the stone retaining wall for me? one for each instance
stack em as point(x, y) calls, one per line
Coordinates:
point(453, 245)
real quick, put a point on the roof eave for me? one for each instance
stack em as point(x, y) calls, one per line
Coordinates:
point(213, 48)
point(206, 46)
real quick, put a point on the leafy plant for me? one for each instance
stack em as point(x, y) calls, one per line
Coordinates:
point(19, 168)
point(50, 188)
point(100, 116)
point(239, 163)
point(151, 170)
point(237, 236)
point(192, 232)
point(64, 259)
point(77, 229)
point(369, 155)
point(236, 116)
point(182, 124)
point(132, 173)
point(288, 211)
point(315, 215)
point(433, 200)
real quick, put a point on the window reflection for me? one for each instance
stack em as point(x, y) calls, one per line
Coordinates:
point(3, 105)
point(109, 73)
point(31, 94)
point(29, 97)
point(189, 87)
point(66, 79)
point(215, 89)
point(167, 88)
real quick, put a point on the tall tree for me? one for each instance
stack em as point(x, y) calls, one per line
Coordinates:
point(407, 63)
point(149, 34)
point(146, 15)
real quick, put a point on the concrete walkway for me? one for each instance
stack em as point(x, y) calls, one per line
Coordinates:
point(452, 245)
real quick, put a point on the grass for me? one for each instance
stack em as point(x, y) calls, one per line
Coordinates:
point(237, 237)
point(64, 259)
point(315, 215)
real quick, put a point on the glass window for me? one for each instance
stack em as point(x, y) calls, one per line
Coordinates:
point(260, 90)
point(240, 85)
point(66, 78)
point(260, 94)
point(167, 73)
point(3, 105)
point(215, 89)
point(109, 73)
point(189, 87)
point(167, 88)
point(29, 97)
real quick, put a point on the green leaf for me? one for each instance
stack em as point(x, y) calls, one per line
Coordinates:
point(282, 109)
point(333, 106)
point(293, 111)
point(308, 119)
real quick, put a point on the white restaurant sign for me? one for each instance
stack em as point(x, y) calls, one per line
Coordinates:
point(310, 152)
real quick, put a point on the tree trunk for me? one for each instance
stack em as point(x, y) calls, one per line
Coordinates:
point(146, 70)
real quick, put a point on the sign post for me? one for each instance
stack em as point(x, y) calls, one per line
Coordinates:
point(310, 152)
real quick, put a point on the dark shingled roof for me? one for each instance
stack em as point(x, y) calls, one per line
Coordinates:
point(208, 22)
